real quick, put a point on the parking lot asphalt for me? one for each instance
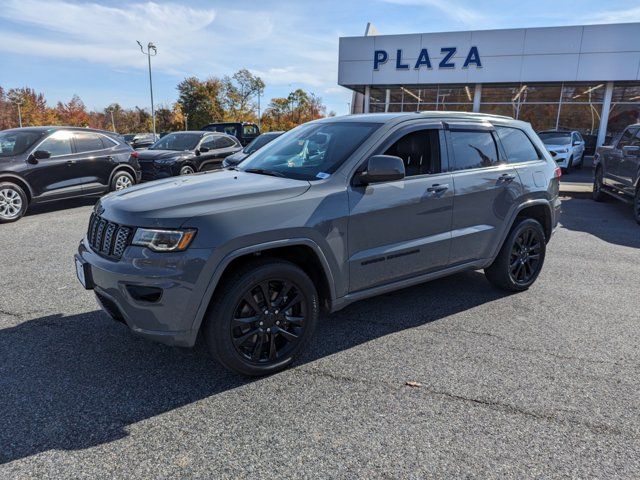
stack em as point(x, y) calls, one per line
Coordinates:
point(542, 383)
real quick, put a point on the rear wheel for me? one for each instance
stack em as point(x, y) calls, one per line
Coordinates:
point(13, 202)
point(520, 259)
point(262, 318)
point(598, 194)
point(122, 180)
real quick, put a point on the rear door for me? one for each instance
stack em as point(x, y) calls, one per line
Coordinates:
point(486, 191)
point(402, 228)
point(93, 162)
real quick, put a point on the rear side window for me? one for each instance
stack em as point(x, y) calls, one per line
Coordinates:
point(87, 142)
point(473, 149)
point(224, 142)
point(108, 142)
point(517, 145)
point(249, 130)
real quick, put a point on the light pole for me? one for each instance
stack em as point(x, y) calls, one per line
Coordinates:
point(150, 48)
point(19, 113)
point(113, 123)
point(186, 117)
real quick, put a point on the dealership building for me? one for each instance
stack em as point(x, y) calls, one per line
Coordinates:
point(584, 78)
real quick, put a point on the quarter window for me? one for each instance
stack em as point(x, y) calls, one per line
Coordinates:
point(473, 149)
point(420, 152)
point(517, 145)
point(87, 142)
point(57, 144)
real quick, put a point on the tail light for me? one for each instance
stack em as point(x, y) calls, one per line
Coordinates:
point(558, 172)
point(134, 154)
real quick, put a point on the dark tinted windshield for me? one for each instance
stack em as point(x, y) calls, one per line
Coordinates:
point(312, 151)
point(17, 142)
point(259, 142)
point(177, 141)
point(555, 138)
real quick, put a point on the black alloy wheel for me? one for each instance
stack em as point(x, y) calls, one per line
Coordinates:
point(598, 195)
point(520, 259)
point(261, 317)
point(269, 321)
point(524, 263)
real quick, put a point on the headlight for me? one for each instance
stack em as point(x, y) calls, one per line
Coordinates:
point(563, 150)
point(163, 240)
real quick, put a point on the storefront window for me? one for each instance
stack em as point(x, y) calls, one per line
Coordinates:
point(377, 95)
point(542, 116)
point(582, 117)
point(583, 93)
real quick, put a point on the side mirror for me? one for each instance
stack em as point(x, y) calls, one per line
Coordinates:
point(631, 150)
point(203, 149)
point(382, 168)
point(576, 143)
point(38, 155)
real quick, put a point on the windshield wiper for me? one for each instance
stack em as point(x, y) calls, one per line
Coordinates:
point(263, 171)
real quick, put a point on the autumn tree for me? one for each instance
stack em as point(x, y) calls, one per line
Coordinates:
point(72, 113)
point(240, 92)
point(201, 101)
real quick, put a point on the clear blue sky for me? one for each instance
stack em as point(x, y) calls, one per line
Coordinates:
point(66, 47)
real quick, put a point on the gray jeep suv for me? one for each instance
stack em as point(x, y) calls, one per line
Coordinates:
point(333, 211)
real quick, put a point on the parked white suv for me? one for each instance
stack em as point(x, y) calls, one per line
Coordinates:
point(566, 148)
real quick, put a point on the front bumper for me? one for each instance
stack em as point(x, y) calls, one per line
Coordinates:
point(169, 319)
point(562, 160)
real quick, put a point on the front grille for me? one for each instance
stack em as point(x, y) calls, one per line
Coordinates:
point(107, 238)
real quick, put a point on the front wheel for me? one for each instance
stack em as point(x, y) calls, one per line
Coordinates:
point(13, 202)
point(262, 317)
point(598, 194)
point(520, 259)
point(187, 170)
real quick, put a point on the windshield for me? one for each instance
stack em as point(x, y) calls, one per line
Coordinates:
point(177, 141)
point(311, 151)
point(129, 137)
point(259, 142)
point(555, 138)
point(17, 142)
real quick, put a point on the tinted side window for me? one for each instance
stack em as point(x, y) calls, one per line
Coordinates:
point(57, 144)
point(249, 130)
point(473, 149)
point(87, 142)
point(224, 142)
point(420, 152)
point(627, 137)
point(230, 130)
point(108, 142)
point(517, 145)
point(209, 142)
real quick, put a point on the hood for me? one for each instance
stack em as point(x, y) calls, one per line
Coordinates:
point(171, 202)
point(12, 158)
point(150, 155)
point(551, 147)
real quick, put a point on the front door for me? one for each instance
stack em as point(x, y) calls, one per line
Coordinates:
point(486, 192)
point(630, 165)
point(94, 163)
point(402, 228)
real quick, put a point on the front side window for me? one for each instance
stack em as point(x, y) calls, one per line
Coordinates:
point(17, 142)
point(311, 151)
point(420, 152)
point(473, 149)
point(627, 138)
point(57, 144)
point(87, 142)
point(517, 145)
point(177, 142)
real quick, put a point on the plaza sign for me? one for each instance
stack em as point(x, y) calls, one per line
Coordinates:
point(380, 57)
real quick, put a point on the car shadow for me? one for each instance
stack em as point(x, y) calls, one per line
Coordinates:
point(40, 208)
point(73, 382)
point(611, 221)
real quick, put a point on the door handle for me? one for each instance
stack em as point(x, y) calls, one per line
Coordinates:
point(70, 162)
point(438, 188)
point(506, 178)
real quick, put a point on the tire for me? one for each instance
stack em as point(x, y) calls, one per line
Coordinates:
point(13, 202)
point(242, 330)
point(520, 259)
point(187, 170)
point(636, 205)
point(580, 163)
point(569, 168)
point(121, 180)
point(598, 194)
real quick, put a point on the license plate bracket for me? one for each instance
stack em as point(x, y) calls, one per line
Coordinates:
point(83, 272)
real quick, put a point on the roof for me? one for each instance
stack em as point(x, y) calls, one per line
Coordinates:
point(46, 128)
point(400, 116)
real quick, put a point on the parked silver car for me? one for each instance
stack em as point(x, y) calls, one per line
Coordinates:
point(331, 212)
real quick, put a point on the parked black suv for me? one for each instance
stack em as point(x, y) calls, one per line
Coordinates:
point(183, 153)
point(41, 164)
point(245, 132)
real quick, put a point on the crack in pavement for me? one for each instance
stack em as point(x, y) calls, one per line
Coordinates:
point(596, 428)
